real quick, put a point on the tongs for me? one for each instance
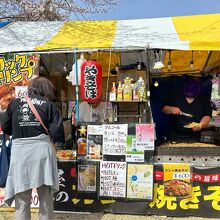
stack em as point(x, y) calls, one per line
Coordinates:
point(186, 114)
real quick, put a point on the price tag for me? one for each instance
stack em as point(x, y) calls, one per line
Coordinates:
point(21, 91)
point(181, 175)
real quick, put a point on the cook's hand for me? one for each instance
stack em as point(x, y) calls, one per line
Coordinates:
point(175, 111)
point(197, 127)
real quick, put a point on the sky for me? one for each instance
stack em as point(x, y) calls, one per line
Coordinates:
point(137, 9)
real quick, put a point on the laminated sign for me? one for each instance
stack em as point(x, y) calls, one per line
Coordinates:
point(112, 179)
point(177, 180)
point(140, 181)
point(91, 81)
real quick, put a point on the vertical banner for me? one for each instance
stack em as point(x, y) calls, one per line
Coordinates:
point(94, 141)
point(15, 70)
point(177, 180)
point(113, 179)
point(140, 181)
point(115, 139)
point(145, 136)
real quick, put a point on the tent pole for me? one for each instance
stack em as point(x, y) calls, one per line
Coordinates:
point(77, 85)
point(149, 118)
point(206, 62)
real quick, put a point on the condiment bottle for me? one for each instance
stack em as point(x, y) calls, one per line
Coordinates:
point(127, 89)
point(113, 87)
point(119, 92)
point(112, 95)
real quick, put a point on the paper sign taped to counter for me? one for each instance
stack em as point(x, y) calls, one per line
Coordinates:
point(133, 154)
point(177, 179)
point(145, 136)
point(113, 179)
point(94, 141)
point(140, 181)
point(87, 178)
point(115, 139)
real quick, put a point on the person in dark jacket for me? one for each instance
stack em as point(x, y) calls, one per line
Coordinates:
point(190, 111)
point(33, 160)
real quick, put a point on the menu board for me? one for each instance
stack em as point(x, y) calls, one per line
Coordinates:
point(115, 139)
point(94, 141)
point(177, 180)
point(87, 178)
point(112, 179)
point(133, 154)
point(140, 181)
point(145, 136)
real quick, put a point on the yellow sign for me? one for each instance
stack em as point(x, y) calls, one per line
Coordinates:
point(177, 180)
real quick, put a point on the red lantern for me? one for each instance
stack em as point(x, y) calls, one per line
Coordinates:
point(91, 81)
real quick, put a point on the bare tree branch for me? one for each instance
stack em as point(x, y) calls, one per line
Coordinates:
point(52, 10)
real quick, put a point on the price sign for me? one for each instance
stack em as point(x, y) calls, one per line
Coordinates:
point(177, 180)
point(21, 91)
point(181, 175)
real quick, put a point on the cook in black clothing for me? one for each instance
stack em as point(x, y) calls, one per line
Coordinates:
point(192, 102)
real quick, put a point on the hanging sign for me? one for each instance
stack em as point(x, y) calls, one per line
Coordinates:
point(91, 81)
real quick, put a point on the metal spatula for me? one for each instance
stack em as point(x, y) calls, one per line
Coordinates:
point(186, 114)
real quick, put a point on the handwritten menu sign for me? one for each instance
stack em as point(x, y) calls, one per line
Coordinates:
point(145, 136)
point(115, 139)
point(112, 179)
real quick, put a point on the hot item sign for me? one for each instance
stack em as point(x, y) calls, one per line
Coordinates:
point(91, 81)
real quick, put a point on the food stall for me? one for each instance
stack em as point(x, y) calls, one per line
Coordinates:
point(120, 166)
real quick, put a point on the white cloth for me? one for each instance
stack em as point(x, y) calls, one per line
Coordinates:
point(89, 114)
point(72, 76)
point(33, 164)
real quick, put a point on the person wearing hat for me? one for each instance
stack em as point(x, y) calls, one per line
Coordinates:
point(190, 111)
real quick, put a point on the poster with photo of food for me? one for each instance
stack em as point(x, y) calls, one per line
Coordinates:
point(94, 142)
point(177, 180)
point(86, 178)
point(81, 140)
point(140, 181)
point(16, 70)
